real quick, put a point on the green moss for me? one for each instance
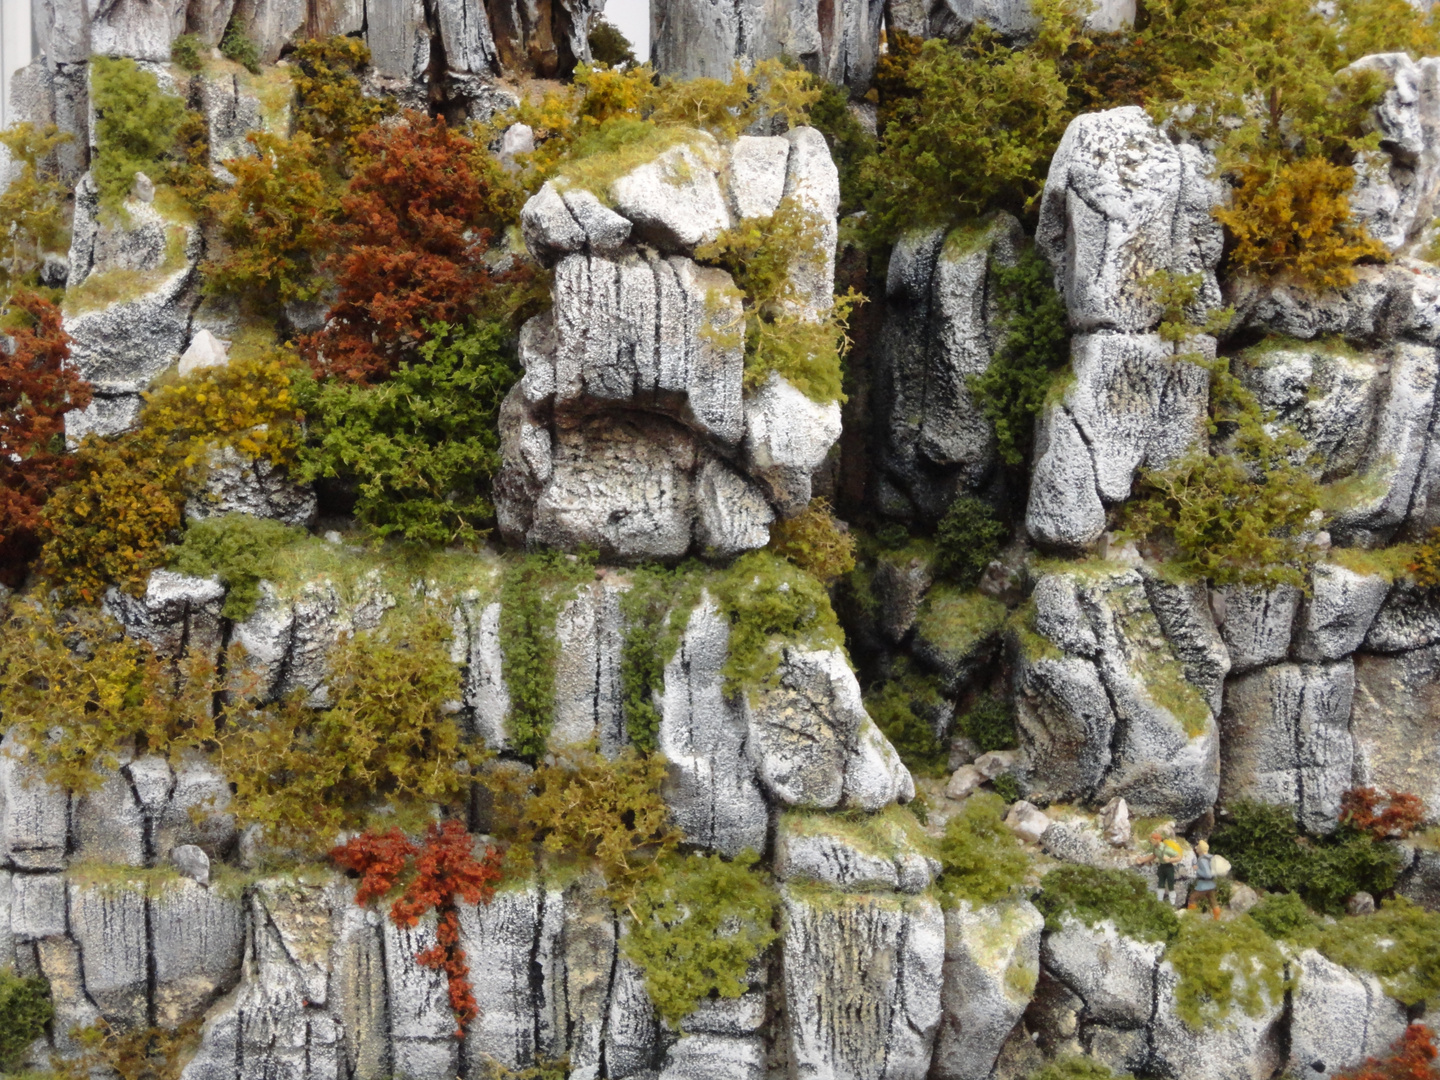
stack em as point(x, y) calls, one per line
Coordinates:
point(956, 622)
point(136, 126)
point(1033, 645)
point(698, 926)
point(1162, 673)
point(990, 723)
point(983, 860)
point(1007, 787)
point(25, 1009)
point(1268, 852)
point(616, 147)
point(1262, 353)
point(106, 287)
point(532, 592)
point(1388, 563)
point(1077, 1068)
point(1399, 944)
point(886, 834)
point(656, 610)
point(237, 549)
point(1225, 965)
point(771, 603)
point(1284, 917)
point(1093, 895)
point(906, 708)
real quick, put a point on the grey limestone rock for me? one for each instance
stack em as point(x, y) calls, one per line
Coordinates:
point(1121, 202)
point(499, 940)
point(191, 862)
point(34, 814)
point(900, 585)
point(587, 671)
point(711, 787)
point(271, 24)
point(675, 201)
point(1397, 189)
point(876, 956)
point(1258, 624)
point(812, 742)
point(1420, 881)
point(399, 38)
point(1408, 619)
point(1397, 743)
point(236, 485)
point(809, 848)
point(549, 229)
point(1285, 739)
point(142, 29)
point(1064, 510)
point(1338, 1018)
point(108, 922)
point(178, 613)
point(38, 906)
point(465, 35)
point(1336, 617)
point(1113, 975)
point(1185, 616)
point(207, 19)
point(992, 962)
point(757, 175)
point(107, 823)
point(605, 231)
point(197, 935)
point(787, 437)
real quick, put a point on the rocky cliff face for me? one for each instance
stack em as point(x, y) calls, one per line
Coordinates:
point(634, 434)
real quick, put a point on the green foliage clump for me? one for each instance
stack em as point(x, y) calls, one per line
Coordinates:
point(1425, 567)
point(968, 128)
point(904, 709)
point(956, 622)
point(1036, 345)
point(1399, 944)
point(105, 694)
point(815, 541)
point(136, 126)
point(656, 609)
point(1092, 895)
point(32, 216)
point(330, 100)
point(1007, 787)
point(762, 254)
point(236, 548)
point(531, 594)
point(983, 860)
point(25, 1009)
point(990, 723)
point(698, 925)
point(186, 52)
point(579, 807)
point(769, 603)
point(387, 740)
point(422, 446)
point(236, 46)
point(1283, 916)
point(1223, 965)
point(609, 46)
point(850, 144)
point(1267, 851)
point(1077, 1068)
point(967, 538)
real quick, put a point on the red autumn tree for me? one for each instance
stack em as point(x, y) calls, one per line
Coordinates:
point(37, 389)
point(1393, 815)
point(410, 243)
point(1411, 1058)
point(445, 872)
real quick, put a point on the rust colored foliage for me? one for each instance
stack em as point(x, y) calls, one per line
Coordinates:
point(445, 871)
point(37, 389)
point(410, 246)
point(1412, 1057)
point(1393, 815)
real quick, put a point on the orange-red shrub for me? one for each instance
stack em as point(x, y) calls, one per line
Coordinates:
point(1393, 815)
point(1412, 1057)
point(445, 870)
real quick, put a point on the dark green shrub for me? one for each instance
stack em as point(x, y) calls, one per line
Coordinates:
point(25, 1009)
point(532, 592)
point(187, 51)
point(904, 709)
point(990, 724)
point(1223, 965)
point(608, 45)
point(237, 549)
point(1093, 895)
point(850, 144)
point(422, 446)
point(983, 860)
point(698, 925)
point(136, 126)
point(656, 609)
point(236, 46)
point(1283, 916)
point(1007, 787)
point(966, 540)
point(1036, 345)
point(1267, 851)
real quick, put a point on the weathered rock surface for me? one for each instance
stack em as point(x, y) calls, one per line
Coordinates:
point(884, 856)
point(1396, 196)
point(1397, 743)
point(1113, 975)
point(1338, 1018)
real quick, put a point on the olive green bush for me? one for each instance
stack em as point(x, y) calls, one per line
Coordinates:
point(237, 549)
point(990, 723)
point(770, 602)
point(698, 924)
point(983, 860)
point(968, 537)
point(1077, 1068)
point(25, 1009)
point(136, 126)
point(236, 46)
point(1092, 895)
point(815, 541)
point(1225, 965)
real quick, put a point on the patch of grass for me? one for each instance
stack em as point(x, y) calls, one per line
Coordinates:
point(955, 621)
point(983, 860)
point(100, 290)
point(1399, 944)
point(1163, 674)
point(1033, 645)
point(903, 709)
point(616, 148)
point(1094, 895)
point(1077, 1068)
point(236, 548)
point(1387, 563)
point(1225, 965)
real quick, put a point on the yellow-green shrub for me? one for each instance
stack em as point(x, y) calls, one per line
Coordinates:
point(769, 603)
point(136, 126)
point(815, 541)
point(1225, 965)
point(32, 215)
point(983, 860)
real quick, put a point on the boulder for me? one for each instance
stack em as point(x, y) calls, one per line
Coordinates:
point(675, 201)
point(1338, 1018)
point(854, 955)
point(107, 824)
point(178, 613)
point(108, 922)
point(711, 787)
point(1114, 975)
point(1408, 619)
point(812, 742)
point(787, 437)
point(883, 855)
point(236, 484)
point(992, 963)
point(1064, 510)
point(204, 351)
point(197, 936)
point(34, 814)
point(1285, 739)
point(1335, 618)
point(37, 907)
point(1121, 202)
point(1257, 624)
point(1398, 194)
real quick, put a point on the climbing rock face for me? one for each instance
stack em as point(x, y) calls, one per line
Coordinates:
point(632, 430)
point(1339, 1018)
point(1396, 196)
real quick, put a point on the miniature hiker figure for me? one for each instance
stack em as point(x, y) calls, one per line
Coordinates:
point(1166, 855)
point(1207, 868)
